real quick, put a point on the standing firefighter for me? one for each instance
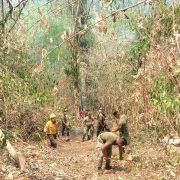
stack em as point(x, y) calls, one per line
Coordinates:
point(104, 144)
point(88, 126)
point(101, 124)
point(122, 127)
point(51, 130)
point(65, 124)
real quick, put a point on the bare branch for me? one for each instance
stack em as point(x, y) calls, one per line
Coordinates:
point(20, 3)
point(176, 35)
point(11, 9)
point(20, 12)
point(10, 3)
point(53, 11)
point(2, 11)
point(92, 25)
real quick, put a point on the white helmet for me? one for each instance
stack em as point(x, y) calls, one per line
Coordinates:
point(52, 116)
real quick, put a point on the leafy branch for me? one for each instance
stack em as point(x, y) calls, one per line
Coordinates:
point(97, 22)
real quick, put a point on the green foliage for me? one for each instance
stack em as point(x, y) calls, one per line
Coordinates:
point(164, 98)
point(166, 14)
point(140, 49)
point(177, 19)
point(128, 78)
point(3, 138)
point(158, 129)
point(68, 68)
point(92, 101)
point(52, 38)
point(42, 97)
point(87, 40)
point(90, 81)
point(20, 90)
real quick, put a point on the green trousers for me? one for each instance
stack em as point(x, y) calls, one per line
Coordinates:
point(87, 132)
point(100, 154)
point(52, 140)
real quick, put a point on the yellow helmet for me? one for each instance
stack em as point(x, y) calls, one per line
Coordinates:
point(52, 116)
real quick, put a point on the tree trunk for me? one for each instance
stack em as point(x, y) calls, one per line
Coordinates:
point(2, 14)
point(83, 75)
point(80, 20)
point(18, 157)
point(75, 56)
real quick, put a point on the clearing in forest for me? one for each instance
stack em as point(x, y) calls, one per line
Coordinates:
point(78, 160)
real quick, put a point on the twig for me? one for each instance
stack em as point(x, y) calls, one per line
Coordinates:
point(92, 25)
point(10, 3)
point(174, 30)
point(2, 11)
point(20, 3)
point(53, 11)
point(20, 140)
point(20, 12)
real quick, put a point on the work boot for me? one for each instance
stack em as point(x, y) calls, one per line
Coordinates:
point(100, 171)
point(108, 167)
point(88, 137)
point(54, 145)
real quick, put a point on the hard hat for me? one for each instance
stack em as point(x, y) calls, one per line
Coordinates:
point(52, 116)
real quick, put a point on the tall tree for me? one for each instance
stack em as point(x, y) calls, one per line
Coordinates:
point(78, 48)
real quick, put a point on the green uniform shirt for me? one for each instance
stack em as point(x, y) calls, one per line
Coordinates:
point(101, 117)
point(108, 137)
point(123, 128)
point(87, 121)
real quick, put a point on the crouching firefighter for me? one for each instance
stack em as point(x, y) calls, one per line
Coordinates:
point(104, 145)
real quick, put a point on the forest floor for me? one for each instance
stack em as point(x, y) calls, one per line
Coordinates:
point(78, 160)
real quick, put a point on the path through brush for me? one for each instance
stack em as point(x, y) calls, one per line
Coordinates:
point(78, 160)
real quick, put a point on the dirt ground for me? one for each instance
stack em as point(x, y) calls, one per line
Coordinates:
point(78, 160)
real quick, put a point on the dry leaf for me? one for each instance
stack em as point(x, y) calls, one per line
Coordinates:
point(54, 91)
point(44, 53)
point(45, 23)
point(99, 42)
point(38, 68)
point(107, 3)
point(113, 35)
point(10, 176)
point(121, 54)
point(129, 157)
point(102, 23)
point(66, 37)
point(21, 27)
point(40, 10)
point(82, 32)
point(51, 40)
point(33, 32)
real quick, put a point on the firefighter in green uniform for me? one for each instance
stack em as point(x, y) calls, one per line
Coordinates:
point(65, 123)
point(101, 124)
point(122, 127)
point(88, 126)
point(104, 144)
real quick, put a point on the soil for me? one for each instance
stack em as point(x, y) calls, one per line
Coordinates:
point(77, 160)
